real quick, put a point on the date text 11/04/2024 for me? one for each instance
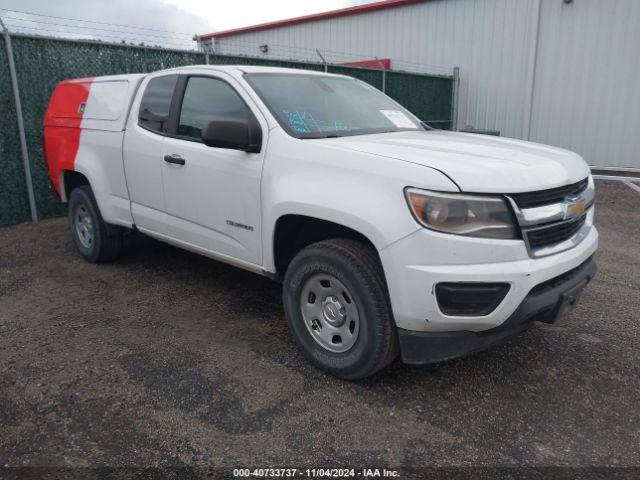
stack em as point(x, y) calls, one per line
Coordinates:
point(315, 473)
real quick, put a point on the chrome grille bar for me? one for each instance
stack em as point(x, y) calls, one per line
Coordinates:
point(559, 226)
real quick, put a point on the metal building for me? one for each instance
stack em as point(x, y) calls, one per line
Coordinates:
point(561, 72)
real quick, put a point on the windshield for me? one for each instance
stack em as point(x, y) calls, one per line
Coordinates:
point(317, 106)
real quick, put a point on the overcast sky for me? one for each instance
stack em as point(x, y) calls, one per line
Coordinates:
point(183, 17)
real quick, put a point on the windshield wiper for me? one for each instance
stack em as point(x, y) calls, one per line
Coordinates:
point(316, 137)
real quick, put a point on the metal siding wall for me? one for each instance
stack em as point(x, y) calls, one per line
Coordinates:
point(587, 94)
point(585, 91)
point(488, 39)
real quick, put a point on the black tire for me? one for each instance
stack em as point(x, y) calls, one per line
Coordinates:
point(106, 244)
point(358, 268)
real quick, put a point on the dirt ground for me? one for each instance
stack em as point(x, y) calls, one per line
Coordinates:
point(167, 359)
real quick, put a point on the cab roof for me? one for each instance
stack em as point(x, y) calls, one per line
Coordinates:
point(252, 69)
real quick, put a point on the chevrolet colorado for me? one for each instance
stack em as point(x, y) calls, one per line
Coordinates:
point(388, 236)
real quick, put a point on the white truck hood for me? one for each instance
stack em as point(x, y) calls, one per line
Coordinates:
point(477, 163)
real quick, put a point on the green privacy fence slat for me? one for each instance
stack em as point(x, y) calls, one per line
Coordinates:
point(372, 77)
point(14, 202)
point(429, 98)
point(41, 63)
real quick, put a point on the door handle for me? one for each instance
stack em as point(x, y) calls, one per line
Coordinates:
point(175, 159)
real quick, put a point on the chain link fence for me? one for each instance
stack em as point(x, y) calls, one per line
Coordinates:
point(14, 203)
point(42, 62)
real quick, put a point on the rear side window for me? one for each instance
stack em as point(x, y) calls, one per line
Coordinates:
point(205, 98)
point(156, 103)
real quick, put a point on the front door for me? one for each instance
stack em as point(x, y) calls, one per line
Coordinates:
point(212, 195)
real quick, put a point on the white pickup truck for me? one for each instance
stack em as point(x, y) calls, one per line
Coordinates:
point(387, 235)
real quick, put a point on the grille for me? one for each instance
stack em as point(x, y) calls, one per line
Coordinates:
point(547, 197)
point(553, 234)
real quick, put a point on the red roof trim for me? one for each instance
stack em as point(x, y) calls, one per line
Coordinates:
point(310, 18)
point(385, 63)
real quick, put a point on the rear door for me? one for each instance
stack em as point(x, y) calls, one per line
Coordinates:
point(212, 195)
point(143, 151)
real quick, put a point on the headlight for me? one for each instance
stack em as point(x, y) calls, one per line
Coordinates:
point(460, 214)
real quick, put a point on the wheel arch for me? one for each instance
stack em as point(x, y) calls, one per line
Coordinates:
point(90, 170)
point(293, 232)
point(70, 179)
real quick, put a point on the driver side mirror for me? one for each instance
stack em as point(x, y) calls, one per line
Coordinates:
point(233, 133)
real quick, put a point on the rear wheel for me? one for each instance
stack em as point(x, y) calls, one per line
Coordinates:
point(96, 240)
point(337, 306)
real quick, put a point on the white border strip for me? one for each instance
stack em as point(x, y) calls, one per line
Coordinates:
point(632, 186)
point(615, 169)
point(616, 177)
point(628, 181)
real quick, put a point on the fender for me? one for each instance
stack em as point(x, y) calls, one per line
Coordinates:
point(366, 196)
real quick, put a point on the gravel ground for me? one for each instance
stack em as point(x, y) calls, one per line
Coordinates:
point(168, 359)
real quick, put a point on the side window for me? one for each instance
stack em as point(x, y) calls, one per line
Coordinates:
point(156, 102)
point(205, 98)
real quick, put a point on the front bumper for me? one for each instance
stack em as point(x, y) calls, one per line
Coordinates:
point(414, 265)
point(543, 303)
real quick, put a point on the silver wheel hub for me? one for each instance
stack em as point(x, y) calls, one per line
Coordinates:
point(84, 226)
point(329, 313)
point(333, 311)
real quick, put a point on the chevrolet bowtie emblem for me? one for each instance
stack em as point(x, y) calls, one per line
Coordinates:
point(575, 208)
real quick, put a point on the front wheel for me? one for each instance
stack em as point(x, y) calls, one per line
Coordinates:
point(96, 240)
point(337, 307)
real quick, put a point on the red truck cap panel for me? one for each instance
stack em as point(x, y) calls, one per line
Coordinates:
point(67, 104)
point(62, 122)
